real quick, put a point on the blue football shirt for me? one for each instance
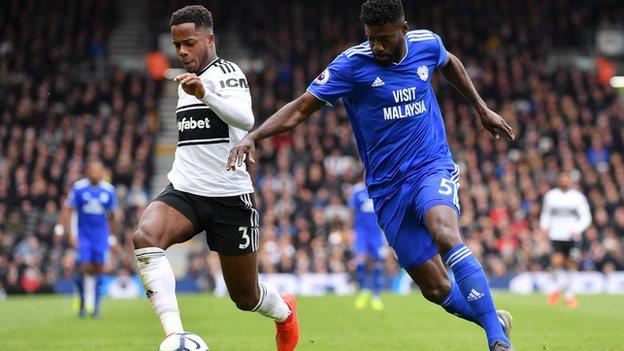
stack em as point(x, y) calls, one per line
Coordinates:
point(364, 217)
point(93, 204)
point(393, 110)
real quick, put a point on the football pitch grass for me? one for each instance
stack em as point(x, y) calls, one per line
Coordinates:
point(327, 323)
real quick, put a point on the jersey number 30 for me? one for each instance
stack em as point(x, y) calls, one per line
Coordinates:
point(246, 239)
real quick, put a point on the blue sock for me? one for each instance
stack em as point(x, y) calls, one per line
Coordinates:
point(99, 286)
point(474, 287)
point(378, 279)
point(79, 281)
point(361, 275)
point(454, 303)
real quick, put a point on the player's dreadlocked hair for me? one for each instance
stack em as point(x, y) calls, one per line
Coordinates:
point(197, 14)
point(376, 12)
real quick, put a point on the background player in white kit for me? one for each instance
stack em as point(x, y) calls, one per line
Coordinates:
point(213, 113)
point(565, 216)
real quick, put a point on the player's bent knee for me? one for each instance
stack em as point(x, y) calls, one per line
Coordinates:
point(438, 292)
point(143, 238)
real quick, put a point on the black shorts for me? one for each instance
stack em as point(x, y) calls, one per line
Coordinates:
point(563, 246)
point(231, 223)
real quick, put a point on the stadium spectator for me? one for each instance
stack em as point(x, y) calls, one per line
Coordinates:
point(52, 121)
point(54, 118)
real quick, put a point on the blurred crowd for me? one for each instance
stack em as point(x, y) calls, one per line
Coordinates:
point(55, 118)
point(565, 119)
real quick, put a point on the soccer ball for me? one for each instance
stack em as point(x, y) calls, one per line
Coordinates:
point(183, 342)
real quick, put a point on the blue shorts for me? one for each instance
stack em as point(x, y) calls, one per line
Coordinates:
point(401, 213)
point(370, 244)
point(92, 250)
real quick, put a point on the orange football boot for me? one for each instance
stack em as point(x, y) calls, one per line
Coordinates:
point(288, 331)
point(553, 298)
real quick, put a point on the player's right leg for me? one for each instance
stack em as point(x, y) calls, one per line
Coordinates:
point(376, 255)
point(362, 274)
point(161, 226)
point(82, 265)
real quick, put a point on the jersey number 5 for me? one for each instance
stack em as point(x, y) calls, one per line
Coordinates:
point(448, 187)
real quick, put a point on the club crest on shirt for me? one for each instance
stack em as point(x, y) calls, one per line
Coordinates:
point(423, 72)
point(323, 77)
point(104, 197)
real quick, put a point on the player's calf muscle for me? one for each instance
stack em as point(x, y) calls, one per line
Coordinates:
point(245, 300)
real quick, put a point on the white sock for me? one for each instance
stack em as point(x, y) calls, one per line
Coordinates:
point(271, 303)
point(159, 283)
point(561, 280)
point(89, 292)
point(569, 293)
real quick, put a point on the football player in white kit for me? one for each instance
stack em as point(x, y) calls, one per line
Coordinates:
point(565, 216)
point(213, 114)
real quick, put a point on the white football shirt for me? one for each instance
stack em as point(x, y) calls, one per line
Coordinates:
point(565, 214)
point(205, 140)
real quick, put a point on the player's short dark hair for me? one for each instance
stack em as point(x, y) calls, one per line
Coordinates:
point(377, 12)
point(197, 14)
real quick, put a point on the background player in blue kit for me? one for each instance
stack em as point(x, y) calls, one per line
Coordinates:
point(95, 203)
point(385, 85)
point(369, 249)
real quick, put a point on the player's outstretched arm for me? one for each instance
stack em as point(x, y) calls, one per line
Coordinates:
point(285, 119)
point(454, 72)
point(231, 109)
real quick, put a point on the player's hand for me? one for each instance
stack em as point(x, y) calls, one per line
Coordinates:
point(191, 84)
point(243, 149)
point(496, 124)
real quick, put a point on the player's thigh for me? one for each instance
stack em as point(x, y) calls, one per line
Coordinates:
point(438, 188)
point(561, 252)
point(437, 204)
point(98, 258)
point(163, 225)
point(84, 253)
point(413, 244)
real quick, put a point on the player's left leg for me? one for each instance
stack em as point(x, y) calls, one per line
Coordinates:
point(240, 273)
point(437, 207)
point(572, 267)
point(443, 224)
point(233, 232)
point(97, 272)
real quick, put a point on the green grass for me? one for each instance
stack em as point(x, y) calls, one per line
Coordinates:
point(328, 323)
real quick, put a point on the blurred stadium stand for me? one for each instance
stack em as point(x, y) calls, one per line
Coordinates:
point(74, 86)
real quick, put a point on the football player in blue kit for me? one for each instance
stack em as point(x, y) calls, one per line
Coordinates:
point(369, 249)
point(95, 203)
point(385, 85)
